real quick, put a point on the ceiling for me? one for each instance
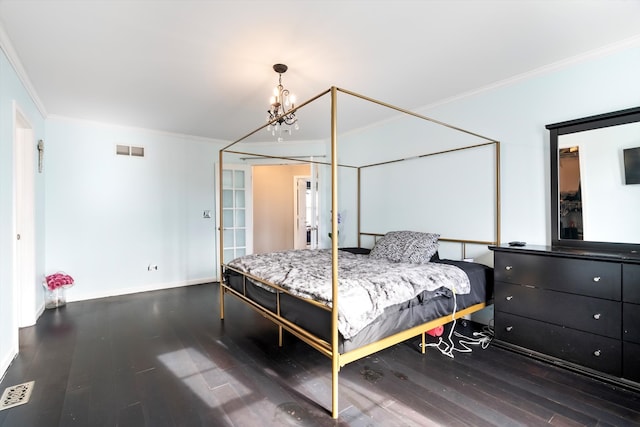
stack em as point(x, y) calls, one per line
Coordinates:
point(204, 68)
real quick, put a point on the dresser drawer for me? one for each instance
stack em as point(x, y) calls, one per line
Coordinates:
point(578, 276)
point(582, 348)
point(595, 315)
point(631, 283)
point(631, 322)
point(631, 361)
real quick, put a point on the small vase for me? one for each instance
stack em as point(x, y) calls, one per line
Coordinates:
point(54, 298)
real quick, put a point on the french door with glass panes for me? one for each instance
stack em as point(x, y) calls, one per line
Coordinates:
point(237, 219)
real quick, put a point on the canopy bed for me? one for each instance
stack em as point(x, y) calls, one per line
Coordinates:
point(348, 303)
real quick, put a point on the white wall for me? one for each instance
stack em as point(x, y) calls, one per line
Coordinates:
point(109, 216)
point(452, 194)
point(12, 90)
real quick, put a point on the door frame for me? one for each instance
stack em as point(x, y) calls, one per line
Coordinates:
point(296, 207)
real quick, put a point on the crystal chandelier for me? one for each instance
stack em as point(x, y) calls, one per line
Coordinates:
point(282, 104)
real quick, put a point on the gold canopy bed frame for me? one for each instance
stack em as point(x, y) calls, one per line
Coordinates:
point(331, 348)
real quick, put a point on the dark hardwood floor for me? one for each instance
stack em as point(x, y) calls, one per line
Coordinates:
point(165, 359)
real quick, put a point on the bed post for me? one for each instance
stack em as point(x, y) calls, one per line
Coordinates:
point(220, 233)
point(359, 184)
point(335, 355)
point(497, 192)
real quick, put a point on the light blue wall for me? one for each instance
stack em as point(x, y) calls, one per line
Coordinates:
point(109, 216)
point(516, 113)
point(12, 90)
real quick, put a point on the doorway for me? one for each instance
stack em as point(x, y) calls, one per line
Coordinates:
point(276, 206)
point(24, 271)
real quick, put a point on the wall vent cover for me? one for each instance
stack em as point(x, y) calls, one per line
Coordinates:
point(125, 150)
point(16, 395)
point(122, 150)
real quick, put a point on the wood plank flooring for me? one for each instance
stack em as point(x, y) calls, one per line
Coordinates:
point(165, 359)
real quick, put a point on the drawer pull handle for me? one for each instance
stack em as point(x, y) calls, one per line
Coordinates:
point(596, 279)
point(597, 316)
point(509, 328)
point(597, 353)
point(508, 267)
point(509, 298)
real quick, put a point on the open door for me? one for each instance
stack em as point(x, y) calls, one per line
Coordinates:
point(302, 226)
point(25, 282)
point(237, 212)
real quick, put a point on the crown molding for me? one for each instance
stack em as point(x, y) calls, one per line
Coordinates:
point(14, 60)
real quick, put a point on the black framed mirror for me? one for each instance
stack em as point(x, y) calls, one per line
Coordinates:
point(595, 162)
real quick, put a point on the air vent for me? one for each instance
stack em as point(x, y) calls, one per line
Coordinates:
point(122, 150)
point(125, 150)
point(16, 395)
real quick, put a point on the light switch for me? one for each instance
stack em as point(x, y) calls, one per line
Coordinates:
point(206, 214)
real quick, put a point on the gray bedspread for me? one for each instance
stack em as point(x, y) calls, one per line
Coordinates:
point(366, 286)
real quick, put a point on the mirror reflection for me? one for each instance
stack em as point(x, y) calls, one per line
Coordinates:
point(595, 201)
point(570, 193)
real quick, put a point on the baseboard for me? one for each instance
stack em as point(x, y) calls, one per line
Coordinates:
point(40, 310)
point(137, 289)
point(6, 362)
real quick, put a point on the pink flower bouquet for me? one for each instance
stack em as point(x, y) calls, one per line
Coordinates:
point(58, 280)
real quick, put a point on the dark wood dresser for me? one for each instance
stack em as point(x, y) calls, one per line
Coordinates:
point(576, 308)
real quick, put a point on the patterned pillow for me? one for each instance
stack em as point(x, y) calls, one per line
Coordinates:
point(406, 246)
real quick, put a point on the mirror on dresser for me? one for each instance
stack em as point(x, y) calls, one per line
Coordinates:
point(595, 202)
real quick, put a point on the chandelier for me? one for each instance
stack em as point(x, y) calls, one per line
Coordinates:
point(282, 104)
